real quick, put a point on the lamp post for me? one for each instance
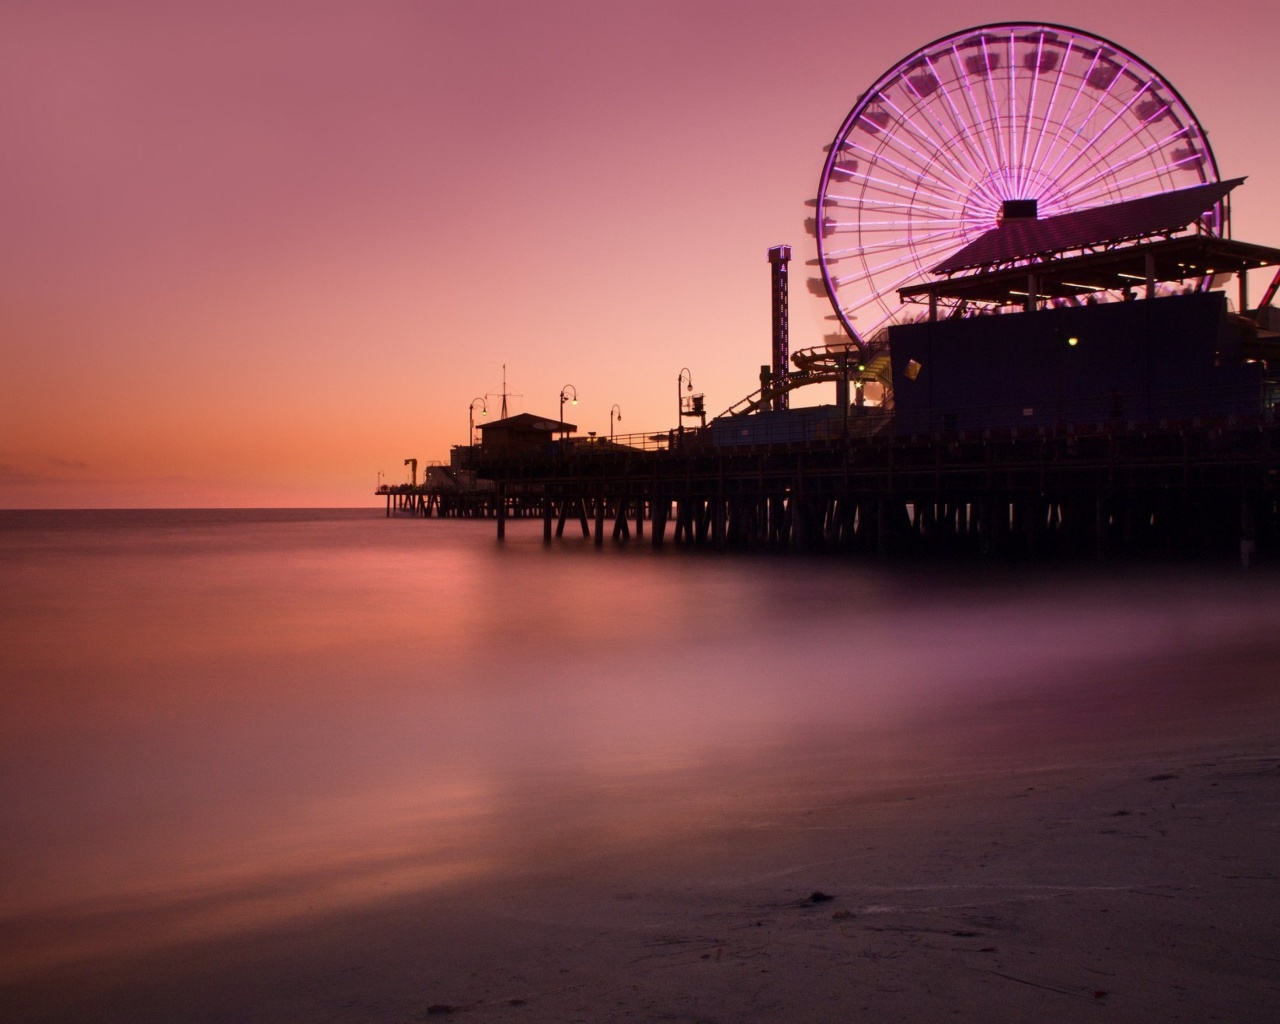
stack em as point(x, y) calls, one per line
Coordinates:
point(618, 409)
point(471, 418)
point(684, 376)
point(568, 391)
point(381, 474)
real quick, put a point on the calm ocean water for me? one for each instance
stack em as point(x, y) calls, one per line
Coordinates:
point(213, 720)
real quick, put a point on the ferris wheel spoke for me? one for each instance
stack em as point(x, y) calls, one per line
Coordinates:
point(1009, 98)
point(1127, 185)
point(1035, 120)
point(1074, 186)
point(918, 258)
point(993, 105)
point(949, 236)
point(1103, 155)
point(1106, 91)
point(897, 188)
point(1180, 132)
point(902, 225)
point(936, 147)
point(943, 142)
point(1080, 193)
point(922, 173)
point(951, 140)
point(1024, 171)
point(1064, 123)
point(874, 274)
point(991, 161)
point(959, 132)
point(888, 204)
point(1053, 98)
point(956, 233)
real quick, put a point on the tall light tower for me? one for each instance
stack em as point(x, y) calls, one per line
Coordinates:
point(779, 257)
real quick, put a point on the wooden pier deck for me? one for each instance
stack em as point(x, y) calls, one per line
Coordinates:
point(1183, 490)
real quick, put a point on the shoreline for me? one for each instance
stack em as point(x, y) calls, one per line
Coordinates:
point(1107, 843)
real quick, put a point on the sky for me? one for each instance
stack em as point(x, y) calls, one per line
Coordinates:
point(256, 254)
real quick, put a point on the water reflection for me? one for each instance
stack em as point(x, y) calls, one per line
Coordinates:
point(215, 724)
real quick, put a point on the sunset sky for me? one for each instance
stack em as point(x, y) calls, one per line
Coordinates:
point(255, 252)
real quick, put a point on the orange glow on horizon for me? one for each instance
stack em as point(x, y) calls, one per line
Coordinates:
point(252, 262)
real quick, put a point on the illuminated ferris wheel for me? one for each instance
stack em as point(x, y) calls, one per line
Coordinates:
point(1008, 113)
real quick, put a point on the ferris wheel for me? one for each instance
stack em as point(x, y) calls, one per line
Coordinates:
point(929, 155)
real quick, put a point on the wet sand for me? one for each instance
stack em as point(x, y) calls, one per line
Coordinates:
point(1109, 847)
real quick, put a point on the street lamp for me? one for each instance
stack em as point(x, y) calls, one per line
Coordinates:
point(684, 376)
point(618, 409)
point(471, 418)
point(381, 474)
point(568, 391)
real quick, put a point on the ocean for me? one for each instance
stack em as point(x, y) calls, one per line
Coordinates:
point(214, 721)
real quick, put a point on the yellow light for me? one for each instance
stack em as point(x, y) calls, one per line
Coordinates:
point(1073, 342)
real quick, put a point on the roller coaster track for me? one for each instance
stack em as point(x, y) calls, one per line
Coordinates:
point(824, 364)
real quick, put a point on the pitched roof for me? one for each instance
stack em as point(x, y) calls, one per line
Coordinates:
point(1146, 217)
point(528, 421)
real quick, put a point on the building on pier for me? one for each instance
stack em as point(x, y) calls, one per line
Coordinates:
point(523, 433)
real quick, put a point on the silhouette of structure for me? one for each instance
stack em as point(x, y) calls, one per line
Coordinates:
point(1047, 367)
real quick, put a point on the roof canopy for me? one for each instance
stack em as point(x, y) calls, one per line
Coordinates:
point(1029, 239)
point(1190, 257)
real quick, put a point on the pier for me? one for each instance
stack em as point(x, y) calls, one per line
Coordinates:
point(1058, 373)
point(1185, 490)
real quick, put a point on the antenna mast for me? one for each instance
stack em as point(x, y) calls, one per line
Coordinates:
point(504, 394)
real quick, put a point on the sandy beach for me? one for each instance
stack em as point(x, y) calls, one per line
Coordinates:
point(1108, 847)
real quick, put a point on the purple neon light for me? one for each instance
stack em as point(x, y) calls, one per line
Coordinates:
point(886, 184)
point(1083, 199)
point(1012, 146)
point(1065, 120)
point(991, 160)
point(1053, 98)
point(1074, 186)
point(1075, 190)
point(919, 259)
point(993, 105)
point(1101, 134)
point(918, 134)
point(875, 157)
point(931, 183)
point(834, 201)
point(1030, 112)
point(956, 171)
point(948, 149)
point(961, 126)
point(1102, 97)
